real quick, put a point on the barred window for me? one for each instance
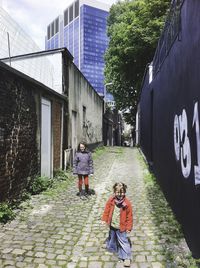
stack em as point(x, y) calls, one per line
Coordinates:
point(84, 116)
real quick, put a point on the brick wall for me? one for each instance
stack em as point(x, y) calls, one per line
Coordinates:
point(18, 127)
point(57, 120)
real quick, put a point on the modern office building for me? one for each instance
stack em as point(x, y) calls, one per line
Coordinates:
point(82, 29)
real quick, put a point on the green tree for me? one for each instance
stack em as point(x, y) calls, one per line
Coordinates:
point(134, 27)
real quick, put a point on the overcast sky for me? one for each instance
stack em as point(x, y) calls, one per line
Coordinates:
point(34, 15)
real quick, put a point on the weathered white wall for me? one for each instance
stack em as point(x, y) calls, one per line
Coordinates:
point(81, 93)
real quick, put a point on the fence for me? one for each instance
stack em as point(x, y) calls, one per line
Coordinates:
point(170, 32)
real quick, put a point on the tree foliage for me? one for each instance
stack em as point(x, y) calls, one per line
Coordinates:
point(134, 27)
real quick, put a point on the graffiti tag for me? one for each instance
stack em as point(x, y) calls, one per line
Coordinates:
point(182, 146)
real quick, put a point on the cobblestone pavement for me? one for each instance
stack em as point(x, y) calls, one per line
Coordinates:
point(65, 231)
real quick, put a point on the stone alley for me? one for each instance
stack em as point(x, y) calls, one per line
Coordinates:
point(65, 231)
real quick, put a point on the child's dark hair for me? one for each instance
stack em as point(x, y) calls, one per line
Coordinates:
point(84, 143)
point(120, 186)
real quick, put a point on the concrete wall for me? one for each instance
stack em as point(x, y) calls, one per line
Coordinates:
point(88, 107)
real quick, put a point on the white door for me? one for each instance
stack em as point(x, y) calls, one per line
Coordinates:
point(46, 138)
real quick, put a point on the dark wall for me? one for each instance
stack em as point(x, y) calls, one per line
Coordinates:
point(18, 126)
point(170, 106)
point(146, 119)
point(112, 128)
point(117, 128)
point(107, 128)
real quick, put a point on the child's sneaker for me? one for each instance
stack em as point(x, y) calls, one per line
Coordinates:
point(79, 194)
point(104, 245)
point(127, 263)
point(86, 194)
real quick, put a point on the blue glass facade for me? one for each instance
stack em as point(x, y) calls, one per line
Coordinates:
point(48, 46)
point(84, 35)
point(56, 41)
point(76, 41)
point(52, 43)
point(66, 36)
point(94, 43)
point(71, 38)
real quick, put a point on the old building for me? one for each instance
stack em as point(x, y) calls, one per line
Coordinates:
point(40, 127)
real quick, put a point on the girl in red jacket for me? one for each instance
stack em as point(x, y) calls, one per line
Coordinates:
point(118, 216)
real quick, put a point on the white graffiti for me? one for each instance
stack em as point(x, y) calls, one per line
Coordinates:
point(182, 145)
point(196, 123)
point(177, 144)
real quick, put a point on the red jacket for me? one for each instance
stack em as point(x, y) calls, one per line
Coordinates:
point(126, 214)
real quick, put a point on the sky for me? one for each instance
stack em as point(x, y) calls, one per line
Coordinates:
point(34, 15)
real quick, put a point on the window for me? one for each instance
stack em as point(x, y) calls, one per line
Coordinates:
point(84, 116)
point(48, 32)
point(76, 8)
point(57, 25)
point(66, 17)
point(70, 13)
point(52, 29)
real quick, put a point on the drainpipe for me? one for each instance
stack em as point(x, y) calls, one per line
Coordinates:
point(9, 48)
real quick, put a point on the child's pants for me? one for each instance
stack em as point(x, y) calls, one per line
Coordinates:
point(80, 181)
point(119, 243)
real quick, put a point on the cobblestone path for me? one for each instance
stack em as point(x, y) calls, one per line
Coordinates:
point(65, 231)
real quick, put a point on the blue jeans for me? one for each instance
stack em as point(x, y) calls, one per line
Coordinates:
point(118, 242)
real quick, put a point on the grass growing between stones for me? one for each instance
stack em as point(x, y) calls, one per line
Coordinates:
point(41, 186)
point(98, 152)
point(62, 180)
point(101, 150)
point(168, 229)
point(117, 151)
point(50, 187)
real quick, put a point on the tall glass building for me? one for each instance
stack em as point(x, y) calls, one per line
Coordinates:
point(82, 29)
